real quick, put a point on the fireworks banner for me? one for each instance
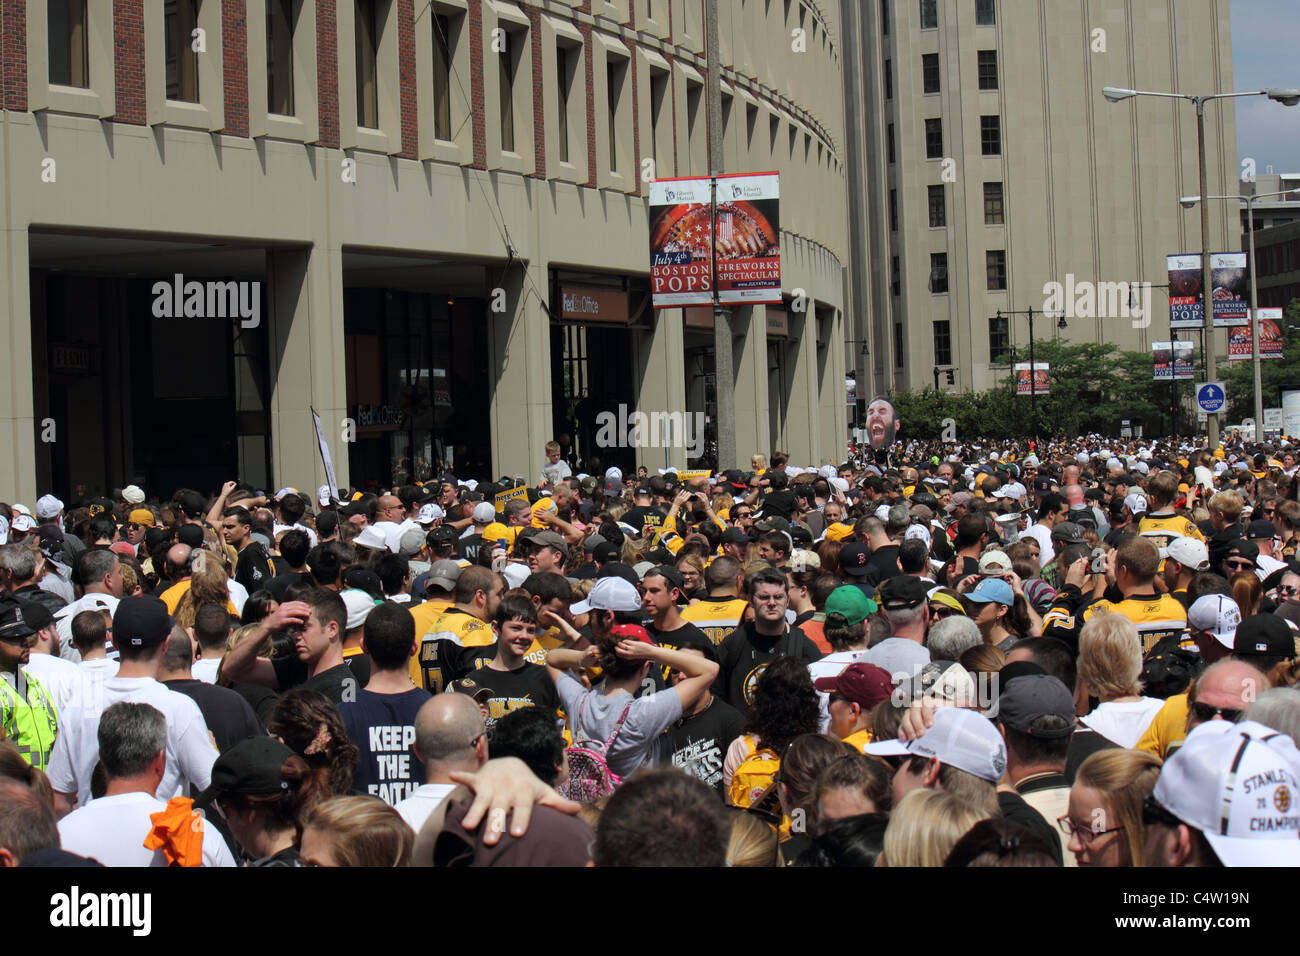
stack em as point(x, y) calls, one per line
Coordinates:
point(749, 250)
point(1037, 384)
point(1270, 338)
point(682, 244)
point(1229, 278)
point(1172, 361)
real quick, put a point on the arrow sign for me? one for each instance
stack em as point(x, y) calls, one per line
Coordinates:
point(1210, 397)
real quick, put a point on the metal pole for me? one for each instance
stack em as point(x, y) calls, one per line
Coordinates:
point(1254, 324)
point(1207, 279)
point(1033, 378)
point(724, 372)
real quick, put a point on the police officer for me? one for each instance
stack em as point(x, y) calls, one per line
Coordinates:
point(27, 712)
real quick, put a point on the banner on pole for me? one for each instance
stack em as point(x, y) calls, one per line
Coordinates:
point(1229, 277)
point(1172, 361)
point(1270, 338)
point(1035, 384)
point(681, 239)
point(749, 239)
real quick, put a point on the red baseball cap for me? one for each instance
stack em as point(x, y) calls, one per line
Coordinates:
point(631, 632)
point(862, 683)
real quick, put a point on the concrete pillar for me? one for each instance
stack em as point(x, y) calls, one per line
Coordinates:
point(18, 429)
point(832, 406)
point(799, 436)
point(306, 348)
point(659, 364)
point(753, 429)
point(519, 355)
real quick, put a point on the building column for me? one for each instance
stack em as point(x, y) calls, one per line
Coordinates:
point(659, 359)
point(799, 436)
point(19, 430)
point(832, 410)
point(306, 355)
point(519, 376)
point(749, 351)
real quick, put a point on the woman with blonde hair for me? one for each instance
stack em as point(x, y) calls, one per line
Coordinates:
point(753, 842)
point(926, 825)
point(207, 586)
point(691, 567)
point(1110, 663)
point(1105, 817)
point(355, 831)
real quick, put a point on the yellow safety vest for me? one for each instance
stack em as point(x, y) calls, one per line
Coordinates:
point(29, 718)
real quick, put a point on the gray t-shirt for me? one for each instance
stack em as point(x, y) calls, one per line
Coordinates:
point(635, 743)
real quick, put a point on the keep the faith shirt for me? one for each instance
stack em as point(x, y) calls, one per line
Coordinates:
point(383, 728)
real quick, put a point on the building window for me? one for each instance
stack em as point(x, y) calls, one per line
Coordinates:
point(615, 73)
point(180, 19)
point(992, 204)
point(995, 261)
point(893, 210)
point(69, 47)
point(943, 343)
point(991, 135)
point(898, 345)
point(934, 139)
point(279, 57)
point(929, 14)
point(895, 276)
point(367, 44)
point(884, 17)
point(984, 14)
point(938, 272)
point(441, 76)
point(889, 143)
point(930, 72)
point(564, 77)
point(889, 79)
point(999, 340)
point(658, 95)
point(988, 69)
point(508, 67)
point(938, 207)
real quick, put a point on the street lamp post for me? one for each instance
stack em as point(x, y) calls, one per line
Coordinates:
point(1287, 97)
point(1187, 203)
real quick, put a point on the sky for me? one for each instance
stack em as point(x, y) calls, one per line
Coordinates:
point(1264, 55)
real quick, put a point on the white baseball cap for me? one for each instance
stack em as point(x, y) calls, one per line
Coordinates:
point(1189, 552)
point(285, 492)
point(994, 562)
point(430, 513)
point(133, 495)
point(1215, 614)
point(1136, 503)
point(485, 512)
point(609, 594)
point(324, 495)
point(1239, 784)
point(959, 738)
point(359, 605)
point(23, 522)
point(371, 537)
point(48, 506)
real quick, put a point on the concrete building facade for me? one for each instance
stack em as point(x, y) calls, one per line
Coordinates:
point(407, 193)
point(985, 164)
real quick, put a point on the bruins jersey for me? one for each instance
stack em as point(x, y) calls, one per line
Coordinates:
point(454, 629)
point(1157, 616)
point(716, 619)
point(1163, 527)
point(425, 615)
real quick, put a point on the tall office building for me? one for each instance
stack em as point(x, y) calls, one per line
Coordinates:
point(985, 164)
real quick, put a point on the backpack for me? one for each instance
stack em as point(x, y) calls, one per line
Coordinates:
point(590, 778)
point(1168, 669)
point(753, 778)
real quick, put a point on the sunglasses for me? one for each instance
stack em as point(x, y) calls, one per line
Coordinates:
point(1206, 712)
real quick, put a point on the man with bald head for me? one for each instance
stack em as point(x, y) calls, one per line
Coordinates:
point(1221, 692)
point(450, 736)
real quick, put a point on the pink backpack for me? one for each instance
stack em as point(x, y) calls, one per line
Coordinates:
point(590, 778)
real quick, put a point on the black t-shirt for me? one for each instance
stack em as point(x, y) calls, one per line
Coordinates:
point(745, 654)
point(253, 570)
point(1015, 809)
point(529, 685)
point(699, 744)
point(359, 664)
point(335, 683)
point(227, 714)
point(780, 504)
point(261, 699)
point(383, 728)
point(1115, 535)
point(281, 582)
point(966, 567)
point(688, 635)
point(639, 517)
point(467, 547)
point(882, 565)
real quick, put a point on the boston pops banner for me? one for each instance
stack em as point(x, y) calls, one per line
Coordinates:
point(1038, 385)
point(1270, 338)
point(1228, 275)
point(749, 250)
point(681, 232)
point(1172, 361)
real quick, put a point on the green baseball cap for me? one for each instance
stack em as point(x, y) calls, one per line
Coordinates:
point(851, 604)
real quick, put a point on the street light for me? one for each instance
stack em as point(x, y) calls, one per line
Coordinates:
point(1283, 95)
point(1187, 202)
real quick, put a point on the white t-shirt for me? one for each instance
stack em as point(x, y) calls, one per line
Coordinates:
point(423, 801)
point(89, 602)
point(190, 751)
point(830, 666)
point(112, 830)
point(238, 594)
point(1123, 723)
point(100, 668)
point(205, 669)
point(311, 535)
point(58, 676)
point(393, 531)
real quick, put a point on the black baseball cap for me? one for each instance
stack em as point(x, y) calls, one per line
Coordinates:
point(1026, 701)
point(13, 620)
point(735, 536)
point(141, 622)
point(902, 591)
point(1264, 635)
point(854, 558)
point(193, 504)
point(251, 766)
point(605, 553)
point(37, 616)
point(190, 534)
point(669, 574)
point(441, 536)
point(363, 579)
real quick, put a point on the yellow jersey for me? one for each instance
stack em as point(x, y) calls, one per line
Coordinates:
point(1156, 615)
point(716, 618)
point(426, 615)
point(1164, 526)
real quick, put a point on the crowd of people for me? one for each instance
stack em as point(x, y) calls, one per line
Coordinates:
point(1076, 653)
